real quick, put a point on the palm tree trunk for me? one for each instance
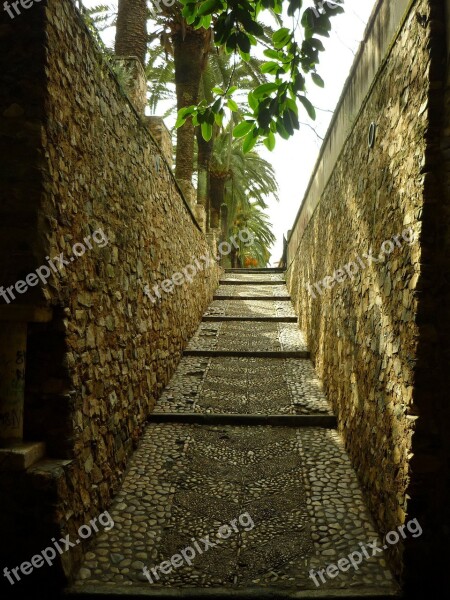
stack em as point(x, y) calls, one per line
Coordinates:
point(190, 51)
point(131, 32)
point(205, 150)
point(217, 197)
point(234, 258)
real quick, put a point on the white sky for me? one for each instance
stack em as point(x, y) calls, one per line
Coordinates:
point(294, 159)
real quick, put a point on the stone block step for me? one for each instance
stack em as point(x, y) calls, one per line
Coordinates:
point(252, 271)
point(250, 308)
point(249, 353)
point(252, 282)
point(250, 277)
point(20, 456)
point(244, 385)
point(249, 337)
point(326, 421)
point(250, 290)
point(223, 296)
point(139, 591)
point(217, 319)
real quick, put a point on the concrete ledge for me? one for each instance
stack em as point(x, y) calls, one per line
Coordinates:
point(50, 467)
point(21, 456)
point(251, 354)
point(274, 298)
point(211, 318)
point(244, 282)
point(325, 421)
point(258, 271)
point(191, 593)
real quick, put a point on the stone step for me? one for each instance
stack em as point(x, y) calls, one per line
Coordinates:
point(20, 456)
point(249, 278)
point(250, 308)
point(326, 421)
point(243, 337)
point(243, 354)
point(250, 290)
point(253, 271)
point(222, 296)
point(252, 282)
point(218, 319)
point(238, 385)
point(139, 591)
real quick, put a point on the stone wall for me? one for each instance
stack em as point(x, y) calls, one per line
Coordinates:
point(371, 324)
point(80, 167)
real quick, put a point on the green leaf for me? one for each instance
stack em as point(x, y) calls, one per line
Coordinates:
point(243, 128)
point(272, 53)
point(308, 19)
point(316, 44)
point(322, 26)
point(249, 141)
point(264, 90)
point(231, 43)
point(309, 107)
point(254, 28)
point(299, 83)
point(208, 7)
point(281, 37)
point(252, 101)
point(207, 131)
point(287, 122)
point(183, 115)
point(294, 6)
point(270, 141)
point(217, 105)
point(292, 105)
point(333, 8)
point(180, 122)
point(318, 80)
point(270, 67)
point(243, 42)
point(281, 130)
point(232, 105)
point(244, 55)
point(205, 23)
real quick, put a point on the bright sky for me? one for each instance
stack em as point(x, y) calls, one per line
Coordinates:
point(294, 159)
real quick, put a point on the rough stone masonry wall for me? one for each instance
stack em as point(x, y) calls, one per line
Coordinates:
point(363, 333)
point(78, 159)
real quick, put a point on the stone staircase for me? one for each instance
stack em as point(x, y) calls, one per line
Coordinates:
point(243, 442)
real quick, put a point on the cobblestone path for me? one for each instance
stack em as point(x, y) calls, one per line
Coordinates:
point(242, 464)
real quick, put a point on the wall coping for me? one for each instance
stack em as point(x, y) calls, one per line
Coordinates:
point(383, 28)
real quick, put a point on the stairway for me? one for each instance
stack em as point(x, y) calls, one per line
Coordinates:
point(241, 463)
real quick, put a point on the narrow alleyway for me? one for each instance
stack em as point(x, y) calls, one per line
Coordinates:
point(243, 444)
